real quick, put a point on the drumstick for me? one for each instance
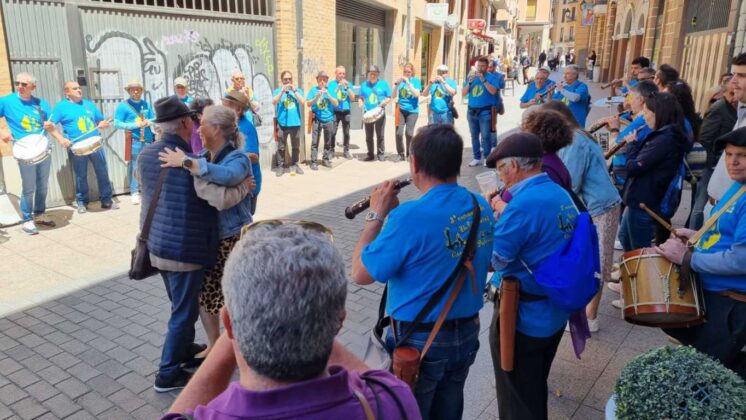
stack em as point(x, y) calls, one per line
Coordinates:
point(662, 222)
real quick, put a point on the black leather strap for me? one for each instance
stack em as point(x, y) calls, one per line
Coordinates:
point(153, 204)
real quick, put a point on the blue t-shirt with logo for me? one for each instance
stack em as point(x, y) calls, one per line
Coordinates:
point(24, 117)
point(439, 96)
point(416, 262)
point(374, 94)
point(532, 91)
point(288, 108)
point(525, 235)
point(343, 95)
point(251, 145)
point(187, 100)
point(78, 119)
point(322, 107)
point(129, 113)
point(632, 83)
point(579, 109)
point(407, 101)
point(479, 96)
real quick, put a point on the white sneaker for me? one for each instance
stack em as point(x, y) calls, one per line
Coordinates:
point(617, 303)
point(475, 162)
point(616, 275)
point(593, 325)
point(618, 245)
point(30, 228)
point(616, 287)
point(135, 199)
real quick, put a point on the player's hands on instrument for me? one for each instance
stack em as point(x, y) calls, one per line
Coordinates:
point(439, 79)
point(171, 158)
point(613, 122)
point(685, 233)
point(497, 204)
point(673, 250)
point(253, 157)
point(384, 198)
point(251, 181)
point(143, 123)
point(6, 137)
point(630, 138)
point(66, 143)
point(104, 124)
point(48, 125)
point(471, 77)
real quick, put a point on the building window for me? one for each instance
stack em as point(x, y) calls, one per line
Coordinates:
point(358, 46)
point(562, 34)
point(571, 37)
point(243, 7)
point(707, 15)
point(531, 10)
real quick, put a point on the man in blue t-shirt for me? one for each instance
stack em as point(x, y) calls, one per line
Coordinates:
point(134, 115)
point(480, 87)
point(322, 101)
point(239, 102)
point(27, 115)
point(287, 101)
point(408, 90)
point(181, 88)
point(374, 93)
point(493, 69)
point(525, 237)
point(539, 91)
point(574, 93)
point(719, 259)
point(414, 248)
point(345, 96)
point(81, 120)
point(441, 92)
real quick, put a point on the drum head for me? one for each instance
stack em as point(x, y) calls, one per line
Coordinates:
point(82, 144)
point(30, 147)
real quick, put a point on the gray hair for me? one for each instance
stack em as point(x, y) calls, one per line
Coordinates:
point(169, 127)
point(285, 289)
point(29, 76)
point(524, 163)
point(574, 68)
point(224, 118)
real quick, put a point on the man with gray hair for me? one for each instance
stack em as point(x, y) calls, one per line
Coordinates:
point(539, 90)
point(285, 288)
point(574, 93)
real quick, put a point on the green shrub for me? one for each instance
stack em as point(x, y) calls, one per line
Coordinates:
point(678, 382)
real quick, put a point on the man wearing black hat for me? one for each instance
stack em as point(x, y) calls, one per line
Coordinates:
point(322, 101)
point(182, 240)
point(374, 93)
point(534, 225)
point(719, 258)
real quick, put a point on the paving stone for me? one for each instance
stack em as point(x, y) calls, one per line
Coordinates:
point(29, 408)
point(27, 321)
point(84, 335)
point(109, 332)
point(93, 357)
point(102, 344)
point(161, 401)
point(11, 393)
point(114, 413)
point(23, 378)
point(52, 319)
point(94, 403)
point(7, 343)
point(146, 412)
point(67, 327)
point(42, 329)
point(81, 415)
point(113, 368)
point(135, 382)
point(64, 360)
point(148, 351)
point(75, 347)
point(83, 371)
point(128, 342)
point(121, 355)
point(8, 366)
point(142, 366)
point(42, 390)
point(61, 406)
point(20, 353)
point(73, 387)
point(36, 363)
point(5, 412)
point(127, 400)
point(53, 375)
point(47, 350)
point(93, 324)
point(104, 385)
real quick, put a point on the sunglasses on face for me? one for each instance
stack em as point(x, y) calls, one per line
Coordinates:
point(22, 84)
point(239, 78)
point(289, 79)
point(305, 224)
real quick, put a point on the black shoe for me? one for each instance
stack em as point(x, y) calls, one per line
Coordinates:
point(298, 170)
point(401, 157)
point(327, 163)
point(369, 158)
point(192, 364)
point(110, 206)
point(314, 166)
point(178, 382)
point(381, 158)
point(195, 349)
point(348, 155)
point(279, 171)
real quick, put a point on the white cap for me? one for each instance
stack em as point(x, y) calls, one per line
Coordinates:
point(442, 67)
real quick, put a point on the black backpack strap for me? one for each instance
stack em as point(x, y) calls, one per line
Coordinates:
point(153, 204)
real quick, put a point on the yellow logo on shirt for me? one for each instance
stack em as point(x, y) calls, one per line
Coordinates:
point(342, 95)
point(372, 99)
point(289, 104)
point(30, 124)
point(439, 94)
point(477, 90)
point(713, 235)
point(404, 93)
point(85, 125)
point(322, 104)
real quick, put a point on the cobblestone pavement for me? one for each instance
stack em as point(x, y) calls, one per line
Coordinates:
point(78, 340)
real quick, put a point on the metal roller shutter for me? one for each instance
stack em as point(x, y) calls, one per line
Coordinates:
point(359, 11)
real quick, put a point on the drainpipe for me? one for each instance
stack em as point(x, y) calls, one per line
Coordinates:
point(740, 30)
point(409, 29)
point(299, 39)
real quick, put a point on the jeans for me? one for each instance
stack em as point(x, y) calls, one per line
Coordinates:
point(328, 128)
point(343, 118)
point(137, 147)
point(444, 118)
point(34, 186)
point(480, 126)
point(407, 120)
point(440, 388)
point(294, 133)
point(636, 229)
point(697, 218)
point(80, 171)
point(378, 128)
point(183, 288)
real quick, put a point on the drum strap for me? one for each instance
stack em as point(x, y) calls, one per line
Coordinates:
point(711, 221)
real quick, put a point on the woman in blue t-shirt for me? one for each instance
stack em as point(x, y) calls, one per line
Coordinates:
point(408, 91)
point(287, 100)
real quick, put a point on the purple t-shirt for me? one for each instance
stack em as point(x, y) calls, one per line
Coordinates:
point(553, 166)
point(196, 140)
point(325, 398)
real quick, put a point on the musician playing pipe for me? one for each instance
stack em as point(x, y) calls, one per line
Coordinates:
point(27, 115)
point(481, 87)
point(441, 90)
point(345, 95)
point(629, 81)
point(81, 120)
point(719, 258)
point(322, 101)
point(134, 115)
point(538, 91)
point(574, 93)
point(287, 101)
point(408, 91)
point(374, 93)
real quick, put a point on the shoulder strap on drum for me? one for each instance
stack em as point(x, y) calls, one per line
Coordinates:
point(711, 221)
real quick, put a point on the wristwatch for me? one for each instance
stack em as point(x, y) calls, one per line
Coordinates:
point(371, 216)
point(614, 130)
point(186, 163)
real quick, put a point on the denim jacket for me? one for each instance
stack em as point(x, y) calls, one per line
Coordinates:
point(230, 171)
point(590, 178)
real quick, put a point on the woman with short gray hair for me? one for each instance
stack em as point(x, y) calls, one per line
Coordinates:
point(222, 177)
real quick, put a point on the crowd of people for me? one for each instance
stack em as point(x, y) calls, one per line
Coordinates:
point(278, 287)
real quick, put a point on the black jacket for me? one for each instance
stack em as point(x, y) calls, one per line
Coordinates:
point(652, 164)
point(719, 119)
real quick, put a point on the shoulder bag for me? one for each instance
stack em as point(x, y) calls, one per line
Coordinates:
point(140, 266)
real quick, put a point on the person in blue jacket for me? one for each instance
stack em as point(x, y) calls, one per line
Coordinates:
point(408, 91)
point(574, 93)
point(541, 89)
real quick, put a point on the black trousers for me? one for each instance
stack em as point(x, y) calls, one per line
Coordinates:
point(378, 128)
point(522, 393)
point(294, 133)
point(722, 336)
point(328, 129)
point(342, 118)
point(406, 120)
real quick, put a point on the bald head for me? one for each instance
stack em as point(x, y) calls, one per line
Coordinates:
point(340, 73)
point(238, 79)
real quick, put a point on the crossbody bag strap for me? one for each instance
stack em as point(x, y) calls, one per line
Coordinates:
point(711, 221)
point(153, 204)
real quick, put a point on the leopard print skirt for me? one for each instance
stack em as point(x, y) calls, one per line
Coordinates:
point(211, 297)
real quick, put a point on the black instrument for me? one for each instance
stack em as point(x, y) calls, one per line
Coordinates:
point(362, 205)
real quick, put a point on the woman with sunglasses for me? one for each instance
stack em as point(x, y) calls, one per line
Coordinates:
point(222, 177)
point(197, 105)
point(287, 100)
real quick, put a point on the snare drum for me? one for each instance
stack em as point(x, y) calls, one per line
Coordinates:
point(373, 115)
point(31, 149)
point(696, 160)
point(650, 290)
point(87, 146)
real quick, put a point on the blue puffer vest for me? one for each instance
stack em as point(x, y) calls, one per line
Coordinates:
point(185, 227)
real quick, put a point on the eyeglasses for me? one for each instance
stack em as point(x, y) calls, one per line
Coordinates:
point(239, 78)
point(288, 79)
point(645, 78)
point(22, 84)
point(305, 224)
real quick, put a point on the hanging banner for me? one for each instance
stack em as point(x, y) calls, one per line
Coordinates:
point(587, 16)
